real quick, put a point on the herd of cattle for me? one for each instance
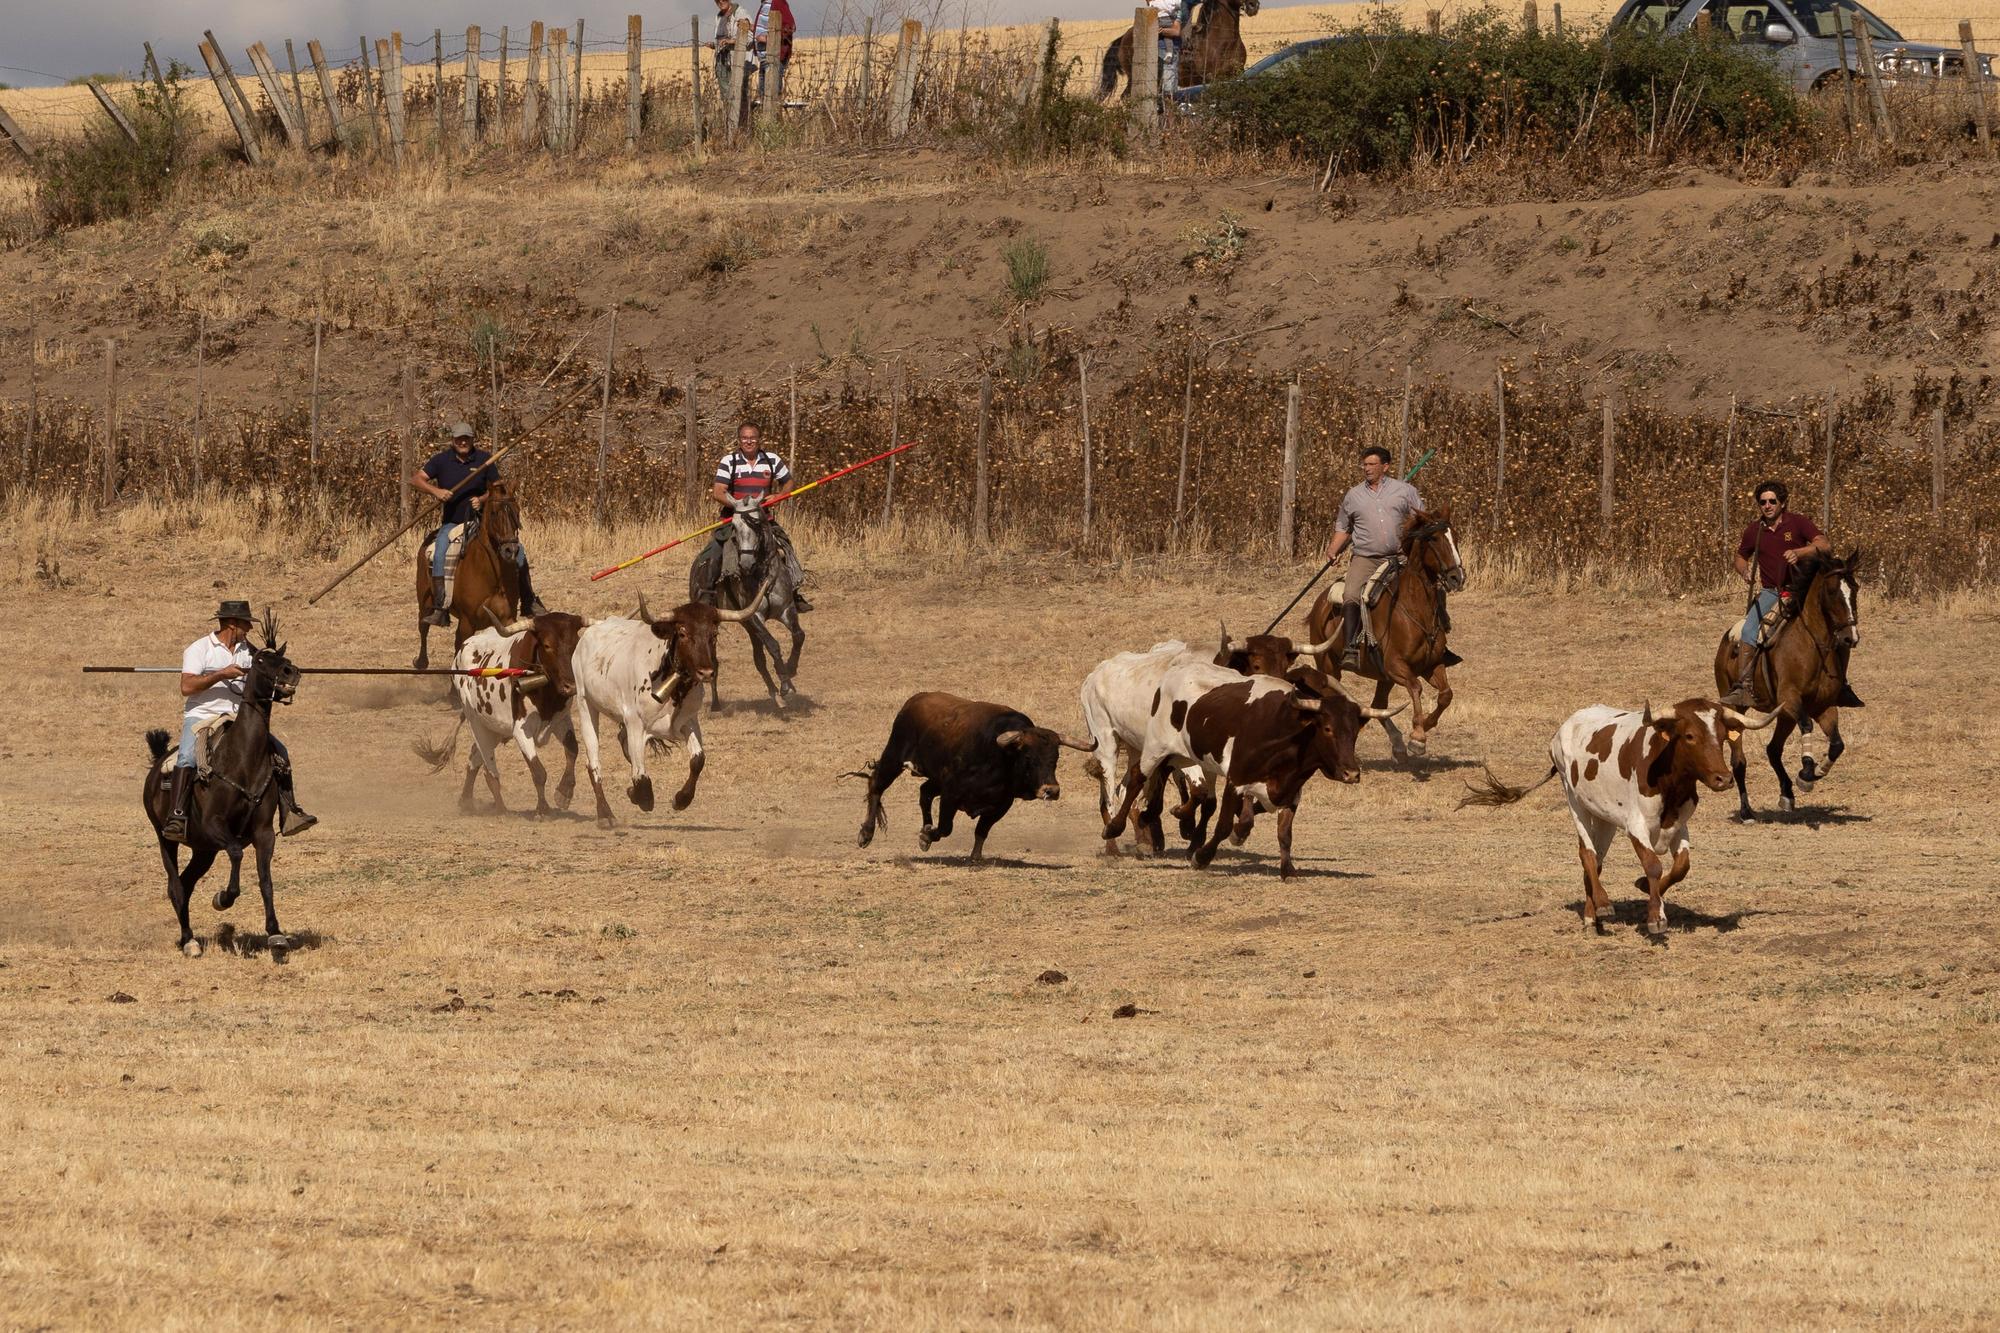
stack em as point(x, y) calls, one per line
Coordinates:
point(1237, 730)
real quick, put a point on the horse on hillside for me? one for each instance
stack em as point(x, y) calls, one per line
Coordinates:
point(237, 805)
point(486, 588)
point(1803, 673)
point(1213, 48)
point(1410, 626)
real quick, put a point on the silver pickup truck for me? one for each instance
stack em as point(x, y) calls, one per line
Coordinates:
point(1800, 37)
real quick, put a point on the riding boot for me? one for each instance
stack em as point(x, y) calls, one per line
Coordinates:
point(178, 798)
point(1350, 619)
point(440, 603)
point(1745, 693)
point(799, 601)
point(291, 818)
point(531, 605)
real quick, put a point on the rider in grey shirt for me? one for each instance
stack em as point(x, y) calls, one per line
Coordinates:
point(1371, 519)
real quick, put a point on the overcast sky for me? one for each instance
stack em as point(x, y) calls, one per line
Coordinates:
point(42, 39)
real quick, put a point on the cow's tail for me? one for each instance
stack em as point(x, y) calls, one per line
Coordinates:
point(437, 756)
point(1490, 790)
point(158, 742)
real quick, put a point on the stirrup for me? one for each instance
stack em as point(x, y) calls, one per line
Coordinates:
point(287, 826)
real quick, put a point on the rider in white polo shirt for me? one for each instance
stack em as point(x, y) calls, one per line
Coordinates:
point(212, 672)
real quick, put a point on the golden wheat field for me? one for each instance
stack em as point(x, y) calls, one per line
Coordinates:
point(723, 1068)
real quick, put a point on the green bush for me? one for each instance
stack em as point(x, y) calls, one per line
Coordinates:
point(1055, 123)
point(106, 175)
point(1386, 96)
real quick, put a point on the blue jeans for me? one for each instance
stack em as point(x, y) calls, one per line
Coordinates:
point(1753, 623)
point(186, 756)
point(439, 551)
point(1170, 65)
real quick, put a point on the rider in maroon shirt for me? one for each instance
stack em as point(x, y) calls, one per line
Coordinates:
point(1770, 547)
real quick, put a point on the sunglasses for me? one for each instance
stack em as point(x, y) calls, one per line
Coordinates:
point(1767, 502)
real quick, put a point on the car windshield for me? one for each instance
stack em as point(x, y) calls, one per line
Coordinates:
point(1817, 16)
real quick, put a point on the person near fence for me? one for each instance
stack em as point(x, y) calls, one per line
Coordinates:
point(443, 474)
point(744, 479)
point(212, 672)
point(1370, 521)
point(727, 12)
point(1776, 540)
point(1170, 18)
point(761, 30)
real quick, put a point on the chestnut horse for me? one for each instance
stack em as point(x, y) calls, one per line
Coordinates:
point(1213, 48)
point(1803, 674)
point(486, 589)
point(1409, 624)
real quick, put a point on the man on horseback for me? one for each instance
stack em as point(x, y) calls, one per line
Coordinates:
point(1771, 546)
point(212, 671)
point(743, 480)
point(439, 477)
point(1370, 520)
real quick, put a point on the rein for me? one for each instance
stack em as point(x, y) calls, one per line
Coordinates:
point(1433, 634)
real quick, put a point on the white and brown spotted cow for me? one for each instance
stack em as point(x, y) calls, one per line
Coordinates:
point(500, 708)
point(1636, 774)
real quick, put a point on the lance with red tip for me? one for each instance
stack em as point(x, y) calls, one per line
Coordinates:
point(482, 673)
point(768, 503)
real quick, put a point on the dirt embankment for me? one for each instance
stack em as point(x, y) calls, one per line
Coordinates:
point(1696, 290)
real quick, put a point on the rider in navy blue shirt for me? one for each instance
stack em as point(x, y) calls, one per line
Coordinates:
point(439, 477)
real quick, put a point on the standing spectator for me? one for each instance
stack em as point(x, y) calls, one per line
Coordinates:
point(1169, 12)
point(727, 12)
point(787, 25)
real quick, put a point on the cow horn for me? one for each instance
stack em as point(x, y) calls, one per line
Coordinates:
point(1370, 713)
point(521, 626)
point(1744, 721)
point(1074, 744)
point(1307, 704)
point(739, 617)
point(1315, 649)
point(642, 613)
point(1230, 645)
point(1007, 740)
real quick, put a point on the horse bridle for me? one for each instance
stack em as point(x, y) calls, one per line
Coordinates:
point(1430, 531)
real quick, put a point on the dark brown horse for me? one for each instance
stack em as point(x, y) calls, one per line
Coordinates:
point(1803, 675)
point(1409, 624)
point(1212, 49)
point(486, 589)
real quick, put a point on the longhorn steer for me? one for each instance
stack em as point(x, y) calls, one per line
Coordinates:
point(1636, 774)
point(975, 757)
point(647, 673)
point(1259, 738)
point(501, 708)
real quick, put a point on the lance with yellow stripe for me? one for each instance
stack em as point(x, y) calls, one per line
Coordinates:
point(768, 503)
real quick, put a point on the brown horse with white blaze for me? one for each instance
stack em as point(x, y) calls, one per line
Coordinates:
point(1803, 674)
point(1410, 625)
point(486, 589)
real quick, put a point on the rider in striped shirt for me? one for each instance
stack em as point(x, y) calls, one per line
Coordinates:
point(747, 477)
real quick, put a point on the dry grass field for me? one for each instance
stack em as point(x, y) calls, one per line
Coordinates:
point(723, 1068)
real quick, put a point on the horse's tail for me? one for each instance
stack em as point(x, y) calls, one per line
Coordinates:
point(437, 756)
point(158, 740)
point(1490, 790)
point(1107, 82)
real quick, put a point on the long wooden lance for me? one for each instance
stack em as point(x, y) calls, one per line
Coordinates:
point(1415, 468)
point(768, 502)
point(483, 673)
point(415, 519)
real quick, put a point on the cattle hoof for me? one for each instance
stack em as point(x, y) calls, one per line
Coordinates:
point(866, 836)
point(1786, 805)
point(640, 794)
point(223, 901)
point(1415, 749)
point(924, 839)
point(277, 943)
point(564, 795)
point(1657, 927)
point(683, 799)
point(192, 948)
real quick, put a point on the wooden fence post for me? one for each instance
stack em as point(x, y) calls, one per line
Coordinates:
point(1403, 427)
point(406, 462)
point(773, 74)
point(1089, 478)
point(739, 81)
point(1530, 21)
point(112, 110)
point(1434, 20)
point(288, 119)
point(905, 79)
point(1288, 479)
point(34, 392)
point(1728, 458)
point(1884, 127)
point(437, 89)
point(1937, 460)
point(604, 418)
point(981, 531)
point(499, 117)
point(1975, 87)
point(110, 486)
point(298, 93)
point(11, 132)
point(1826, 481)
point(691, 454)
point(694, 80)
point(470, 135)
point(1187, 419)
point(371, 94)
point(389, 56)
point(200, 395)
point(1607, 468)
point(555, 124)
point(635, 85)
point(1556, 20)
point(896, 439)
point(792, 427)
point(867, 62)
point(576, 93)
point(531, 92)
point(318, 57)
point(1702, 23)
point(312, 449)
point(1500, 459)
point(216, 65)
point(1142, 90)
point(228, 85)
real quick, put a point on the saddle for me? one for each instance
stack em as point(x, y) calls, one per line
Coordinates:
point(459, 537)
point(1381, 580)
point(205, 735)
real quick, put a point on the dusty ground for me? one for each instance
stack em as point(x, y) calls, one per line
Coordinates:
point(725, 1067)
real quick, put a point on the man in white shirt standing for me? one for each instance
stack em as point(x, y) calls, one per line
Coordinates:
point(1371, 519)
point(212, 672)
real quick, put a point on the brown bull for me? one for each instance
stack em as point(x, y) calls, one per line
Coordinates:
point(486, 589)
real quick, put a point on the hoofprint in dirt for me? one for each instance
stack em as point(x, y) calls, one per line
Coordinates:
point(723, 1067)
